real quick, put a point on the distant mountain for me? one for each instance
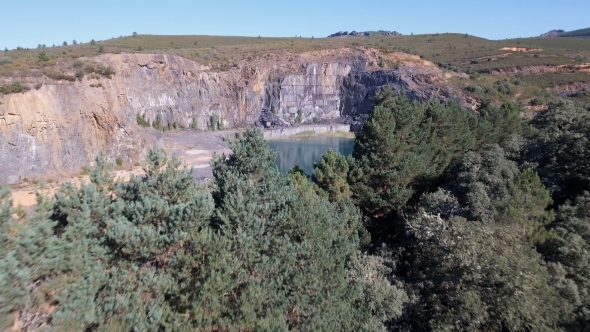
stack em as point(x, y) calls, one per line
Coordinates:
point(581, 33)
point(364, 33)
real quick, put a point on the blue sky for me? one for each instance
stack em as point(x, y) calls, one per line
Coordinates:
point(33, 22)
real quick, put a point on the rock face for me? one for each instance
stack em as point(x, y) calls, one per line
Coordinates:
point(365, 33)
point(553, 33)
point(63, 125)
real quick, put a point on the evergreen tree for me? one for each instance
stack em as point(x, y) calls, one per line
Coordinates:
point(569, 246)
point(475, 276)
point(526, 208)
point(403, 148)
point(561, 149)
point(331, 175)
point(292, 245)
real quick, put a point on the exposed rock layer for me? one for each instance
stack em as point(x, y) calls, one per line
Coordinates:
point(64, 125)
point(321, 129)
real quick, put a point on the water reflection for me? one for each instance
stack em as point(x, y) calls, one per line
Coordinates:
point(305, 151)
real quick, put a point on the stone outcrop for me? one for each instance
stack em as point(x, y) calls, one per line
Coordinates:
point(553, 33)
point(364, 33)
point(63, 125)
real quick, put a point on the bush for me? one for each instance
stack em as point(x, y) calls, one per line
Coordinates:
point(119, 161)
point(79, 74)
point(213, 122)
point(537, 101)
point(5, 60)
point(157, 123)
point(43, 56)
point(13, 87)
point(59, 76)
point(299, 118)
point(106, 71)
point(142, 121)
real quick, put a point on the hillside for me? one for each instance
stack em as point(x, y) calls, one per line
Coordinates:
point(584, 33)
point(105, 91)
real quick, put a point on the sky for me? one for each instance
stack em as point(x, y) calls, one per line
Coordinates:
point(33, 22)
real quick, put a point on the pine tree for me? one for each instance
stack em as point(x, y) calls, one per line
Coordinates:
point(526, 209)
point(331, 175)
point(292, 244)
point(561, 148)
point(569, 247)
point(403, 148)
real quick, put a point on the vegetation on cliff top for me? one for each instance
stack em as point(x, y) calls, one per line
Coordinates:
point(463, 52)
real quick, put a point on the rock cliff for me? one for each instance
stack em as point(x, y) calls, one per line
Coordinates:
point(63, 125)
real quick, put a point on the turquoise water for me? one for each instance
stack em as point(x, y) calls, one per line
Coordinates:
point(305, 151)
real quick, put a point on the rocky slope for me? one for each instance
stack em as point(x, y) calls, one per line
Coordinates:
point(63, 125)
point(364, 33)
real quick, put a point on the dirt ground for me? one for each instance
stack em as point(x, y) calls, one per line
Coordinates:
point(195, 150)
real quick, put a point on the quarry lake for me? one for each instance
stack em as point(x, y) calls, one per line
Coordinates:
point(305, 151)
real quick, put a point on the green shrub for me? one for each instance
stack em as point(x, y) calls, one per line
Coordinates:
point(4, 60)
point(213, 122)
point(79, 74)
point(299, 118)
point(58, 76)
point(194, 123)
point(106, 71)
point(157, 123)
point(119, 161)
point(43, 56)
point(13, 87)
point(90, 68)
point(537, 101)
point(142, 121)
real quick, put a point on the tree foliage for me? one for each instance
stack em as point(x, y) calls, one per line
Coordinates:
point(561, 148)
point(405, 147)
point(160, 253)
point(466, 231)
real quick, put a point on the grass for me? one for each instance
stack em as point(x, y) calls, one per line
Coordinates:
point(221, 53)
